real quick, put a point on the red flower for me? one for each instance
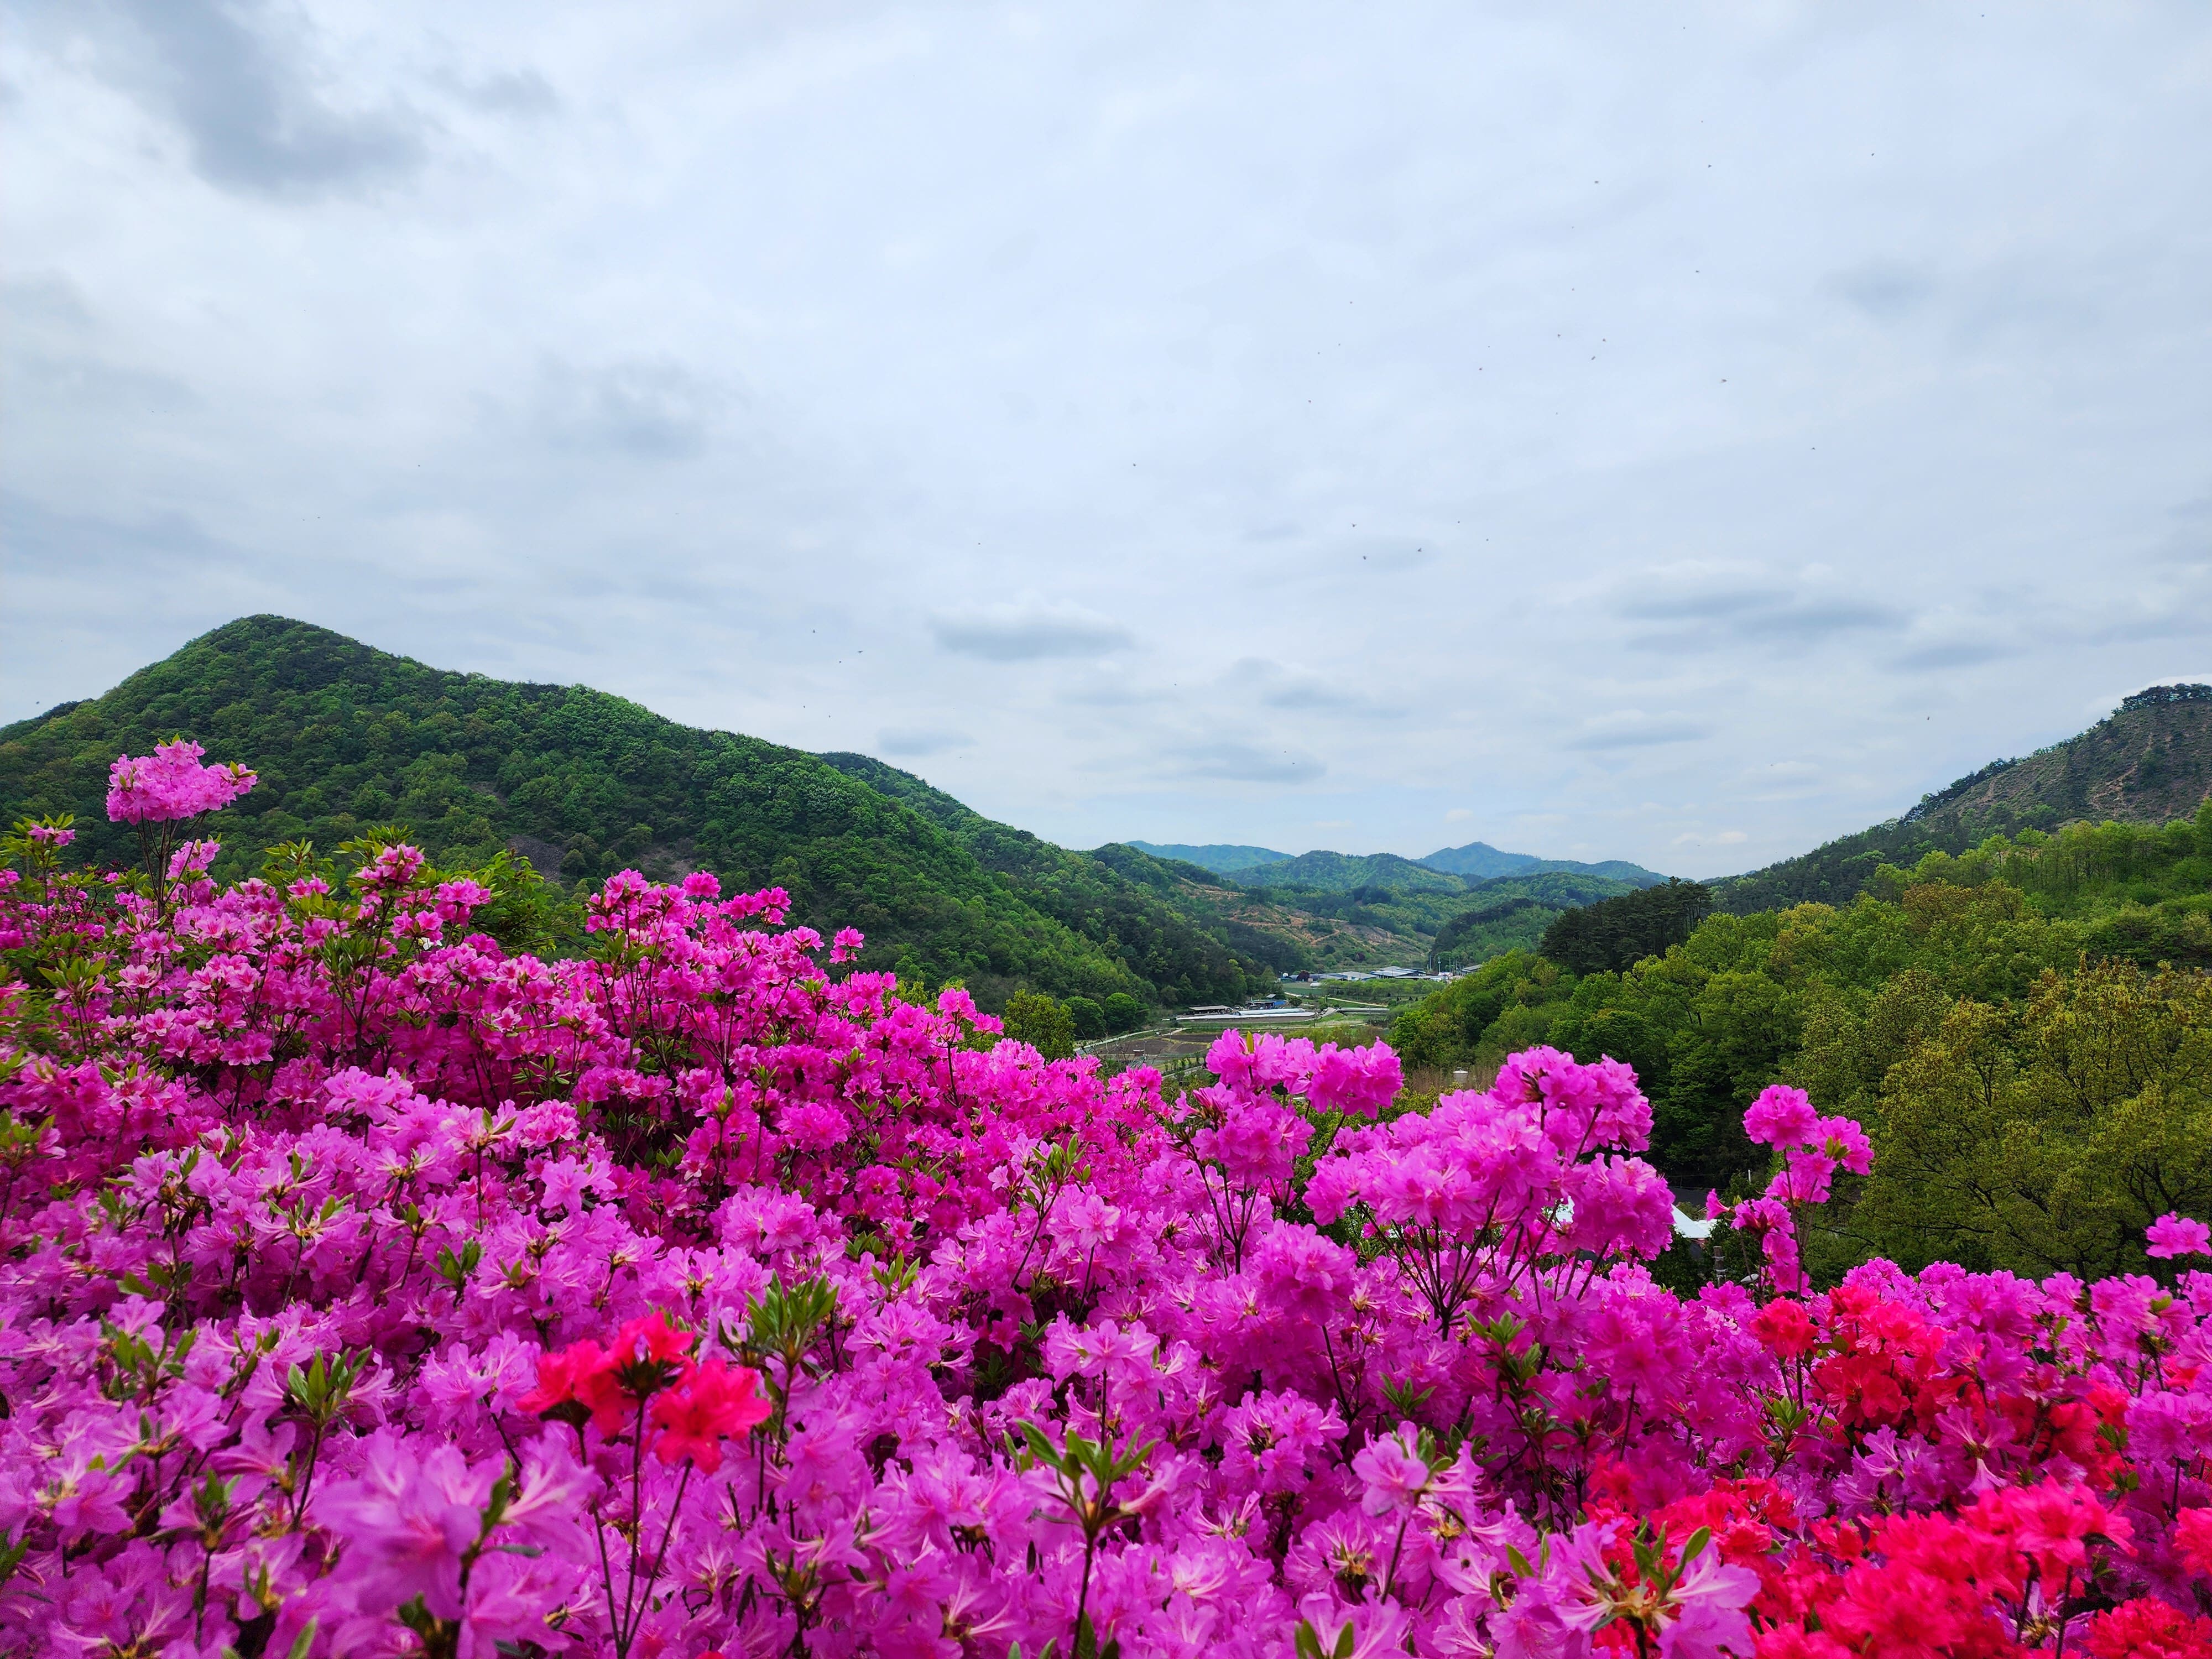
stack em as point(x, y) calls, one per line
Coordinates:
point(714, 1399)
point(2192, 1530)
point(652, 1337)
point(571, 1383)
point(2145, 1629)
point(608, 1385)
point(1786, 1329)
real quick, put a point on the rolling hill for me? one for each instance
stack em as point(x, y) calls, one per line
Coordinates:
point(582, 783)
point(1513, 913)
point(1216, 858)
point(1347, 872)
point(1478, 861)
point(1482, 861)
point(2148, 762)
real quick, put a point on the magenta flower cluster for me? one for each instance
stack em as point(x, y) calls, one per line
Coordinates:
point(369, 1288)
point(170, 784)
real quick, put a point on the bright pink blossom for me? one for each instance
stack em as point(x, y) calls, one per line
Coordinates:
point(2173, 1235)
point(374, 1287)
point(1782, 1117)
point(170, 784)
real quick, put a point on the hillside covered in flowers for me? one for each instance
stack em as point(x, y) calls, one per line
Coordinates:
point(371, 1288)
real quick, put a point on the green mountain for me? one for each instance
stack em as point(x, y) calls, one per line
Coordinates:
point(2148, 762)
point(1513, 913)
point(1476, 861)
point(582, 784)
point(1219, 859)
point(1482, 861)
point(1346, 873)
point(1151, 911)
point(1404, 911)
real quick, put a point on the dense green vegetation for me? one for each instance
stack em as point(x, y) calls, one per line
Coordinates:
point(2037, 1133)
point(2037, 1086)
point(1514, 913)
point(1616, 934)
point(1346, 873)
point(2136, 892)
point(581, 783)
point(1410, 911)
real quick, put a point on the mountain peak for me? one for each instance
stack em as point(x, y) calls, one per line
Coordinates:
point(581, 783)
point(2148, 762)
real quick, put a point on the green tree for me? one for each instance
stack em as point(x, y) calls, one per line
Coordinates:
point(1034, 1019)
point(1508, 1003)
point(1124, 1013)
point(2046, 1137)
point(1617, 933)
point(1087, 1018)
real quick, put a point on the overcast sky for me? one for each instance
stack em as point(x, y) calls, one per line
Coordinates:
point(1677, 433)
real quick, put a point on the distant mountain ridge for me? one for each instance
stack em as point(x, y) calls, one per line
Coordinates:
point(1478, 861)
point(1344, 873)
point(2148, 762)
point(1222, 860)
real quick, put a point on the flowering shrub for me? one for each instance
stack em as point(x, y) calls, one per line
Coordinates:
point(369, 1288)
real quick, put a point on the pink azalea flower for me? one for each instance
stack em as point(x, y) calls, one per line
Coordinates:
point(2173, 1235)
point(1393, 1472)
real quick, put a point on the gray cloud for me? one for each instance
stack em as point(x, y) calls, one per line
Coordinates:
point(1632, 728)
point(1955, 652)
point(1027, 633)
point(1229, 761)
point(46, 299)
point(653, 410)
point(917, 741)
point(1885, 289)
point(91, 381)
point(1270, 685)
point(238, 81)
point(524, 94)
point(1744, 607)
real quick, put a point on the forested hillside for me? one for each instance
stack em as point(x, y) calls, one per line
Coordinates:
point(2026, 1032)
point(1216, 859)
point(1142, 904)
point(1346, 873)
point(1341, 908)
point(1514, 912)
point(582, 783)
point(1479, 861)
point(2148, 762)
